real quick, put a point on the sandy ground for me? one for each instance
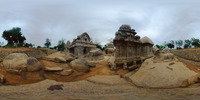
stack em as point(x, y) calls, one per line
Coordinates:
point(90, 89)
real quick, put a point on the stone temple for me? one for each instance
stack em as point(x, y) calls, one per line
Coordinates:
point(110, 48)
point(130, 49)
point(80, 46)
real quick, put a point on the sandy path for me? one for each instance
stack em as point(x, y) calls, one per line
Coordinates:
point(92, 88)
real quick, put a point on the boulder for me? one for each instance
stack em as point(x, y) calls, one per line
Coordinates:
point(91, 65)
point(33, 64)
point(55, 55)
point(111, 63)
point(13, 71)
point(80, 65)
point(15, 61)
point(168, 57)
point(163, 74)
point(192, 80)
point(49, 64)
point(166, 50)
point(155, 50)
point(66, 72)
point(53, 69)
point(2, 79)
point(69, 59)
point(60, 59)
point(96, 54)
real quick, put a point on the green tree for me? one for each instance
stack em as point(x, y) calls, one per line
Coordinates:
point(195, 42)
point(14, 37)
point(160, 47)
point(38, 46)
point(172, 42)
point(170, 45)
point(99, 46)
point(61, 45)
point(47, 43)
point(28, 45)
point(179, 43)
point(187, 43)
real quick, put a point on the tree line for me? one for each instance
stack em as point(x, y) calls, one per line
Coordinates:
point(15, 38)
point(179, 44)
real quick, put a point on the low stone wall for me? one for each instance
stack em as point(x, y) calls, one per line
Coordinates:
point(189, 55)
point(33, 52)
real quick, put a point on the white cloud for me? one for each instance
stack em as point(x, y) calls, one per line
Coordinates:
point(57, 19)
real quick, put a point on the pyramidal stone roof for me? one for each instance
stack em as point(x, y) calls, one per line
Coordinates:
point(146, 40)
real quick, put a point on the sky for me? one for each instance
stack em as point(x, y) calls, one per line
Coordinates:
point(160, 20)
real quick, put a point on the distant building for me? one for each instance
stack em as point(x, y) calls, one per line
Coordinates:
point(81, 45)
point(110, 48)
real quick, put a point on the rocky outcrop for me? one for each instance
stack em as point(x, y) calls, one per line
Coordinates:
point(19, 62)
point(2, 79)
point(80, 65)
point(33, 64)
point(60, 59)
point(16, 62)
point(31, 52)
point(96, 54)
point(65, 72)
point(162, 74)
point(53, 69)
point(111, 62)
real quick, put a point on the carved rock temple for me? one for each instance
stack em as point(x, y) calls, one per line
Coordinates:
point(110, 48)
point(130, 50)
point(80, 46)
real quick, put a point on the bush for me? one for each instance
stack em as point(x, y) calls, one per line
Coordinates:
point(9, 46)
point(38, 46)
point(178, 48)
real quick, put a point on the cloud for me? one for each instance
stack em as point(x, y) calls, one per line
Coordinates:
point(57, 19)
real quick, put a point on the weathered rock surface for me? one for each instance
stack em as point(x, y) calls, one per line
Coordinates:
point(31, 52)
point(166, 50)
point(33, 64)
point(106, 80)
point(14, 71)
point(15, 61)
point(54, 55)
point(66, 72)
point(80, 65)
point(96, 54)
point(168, 56)
point(111, 62)
point(2, 79)
point(161, 74)
point(54, 64)
point(60, 59)
point(70, 58)
point(53, 69)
